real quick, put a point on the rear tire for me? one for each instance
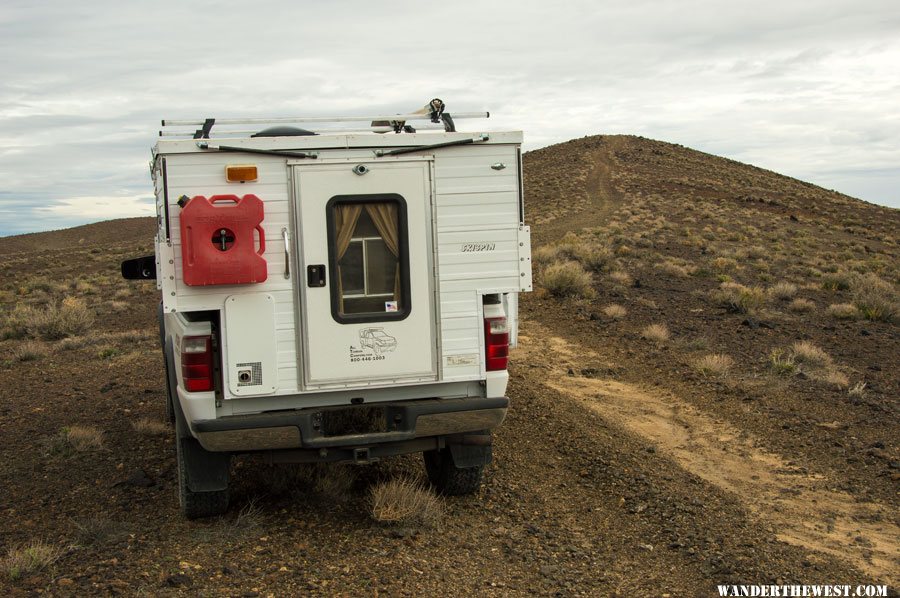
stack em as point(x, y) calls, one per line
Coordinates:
point(447, 478)
point(195, 505)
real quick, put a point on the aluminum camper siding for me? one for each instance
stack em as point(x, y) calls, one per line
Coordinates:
point(474, 205)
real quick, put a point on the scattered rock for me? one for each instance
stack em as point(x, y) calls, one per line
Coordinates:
point(402, 532)
point(179, 580)
point(138, 478)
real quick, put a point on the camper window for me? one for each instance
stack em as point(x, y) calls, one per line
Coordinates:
point(367, 242)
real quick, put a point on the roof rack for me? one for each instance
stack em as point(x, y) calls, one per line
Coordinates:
point(378, 123)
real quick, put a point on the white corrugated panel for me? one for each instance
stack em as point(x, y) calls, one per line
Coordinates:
point(204, 174)
point(477, 213)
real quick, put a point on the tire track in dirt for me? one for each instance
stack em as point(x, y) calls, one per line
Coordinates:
point(603, 197)
point(800, 504)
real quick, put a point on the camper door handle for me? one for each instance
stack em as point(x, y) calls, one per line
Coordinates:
point(287, 254)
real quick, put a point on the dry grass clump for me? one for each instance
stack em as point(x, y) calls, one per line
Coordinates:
point(83, 287)
point(108, 352)
point(724, 264)
point(805, 352)
point(836, 281)
point(71, 317)
point(875, 298)
point(782, 363)
point(545, 255)
point(656, 332)
point(858, 390)
point(83, 438)
point(621, 277)
point(30, 558)
point(834, 378)
point(29, 351)
point(41, 284)
point(810, 360)
point(801, 305)
point(567, 279)
point(405, 501)
point(673, 269)
point(738, 298)
point(119, 305)
point(843, 311)
point(14, 322)
point(592, 254)
point(615, 311)
point(76, 342)
point(714, 365)
point(150, 427)
point(783, 290)
point(595, 258)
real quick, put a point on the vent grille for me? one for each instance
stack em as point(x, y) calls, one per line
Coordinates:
point(255, 369)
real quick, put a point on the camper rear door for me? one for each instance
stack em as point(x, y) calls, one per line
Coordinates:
point(367, 289)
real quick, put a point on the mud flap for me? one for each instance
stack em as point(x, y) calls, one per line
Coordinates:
point(204, 471)
point(471, 450)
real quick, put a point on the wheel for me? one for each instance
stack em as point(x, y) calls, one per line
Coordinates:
point(447, 478)
point(195, 505)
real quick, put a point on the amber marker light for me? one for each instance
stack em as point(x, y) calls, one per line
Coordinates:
point(240, 173)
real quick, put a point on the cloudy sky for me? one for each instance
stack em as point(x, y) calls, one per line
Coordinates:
point(806, 88)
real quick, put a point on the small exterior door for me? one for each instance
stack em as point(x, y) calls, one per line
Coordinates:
point(367, 281)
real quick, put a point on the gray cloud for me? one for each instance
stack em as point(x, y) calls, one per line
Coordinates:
point(807, 89)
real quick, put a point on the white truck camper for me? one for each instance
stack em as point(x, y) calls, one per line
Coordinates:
point(337, 295)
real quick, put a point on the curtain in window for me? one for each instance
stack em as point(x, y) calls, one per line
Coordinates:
point(385, 217)
point(345, 218)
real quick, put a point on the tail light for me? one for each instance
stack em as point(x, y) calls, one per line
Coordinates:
point(197, 363)
point(496, 343)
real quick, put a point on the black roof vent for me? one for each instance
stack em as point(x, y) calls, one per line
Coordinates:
point(283, 131)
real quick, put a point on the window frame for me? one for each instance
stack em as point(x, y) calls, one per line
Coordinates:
point(404, 306)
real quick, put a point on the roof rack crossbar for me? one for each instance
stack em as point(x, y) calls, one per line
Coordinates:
point(314, 119)
point(320, 130)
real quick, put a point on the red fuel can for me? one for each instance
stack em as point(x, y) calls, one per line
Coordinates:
point(218, 244)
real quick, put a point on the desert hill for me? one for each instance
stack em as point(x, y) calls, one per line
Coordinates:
point(100, 234)
point(705, 392)
point(770, 299)
point(581, 178)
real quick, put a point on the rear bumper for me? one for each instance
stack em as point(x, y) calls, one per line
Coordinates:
point(405, 422)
